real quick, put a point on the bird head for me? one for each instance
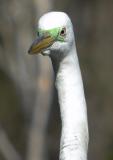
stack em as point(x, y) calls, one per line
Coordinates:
point(54, 34)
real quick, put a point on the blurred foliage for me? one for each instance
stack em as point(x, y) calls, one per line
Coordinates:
point(11, 115)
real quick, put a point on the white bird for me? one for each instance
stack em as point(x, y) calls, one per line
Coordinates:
point(56, 39)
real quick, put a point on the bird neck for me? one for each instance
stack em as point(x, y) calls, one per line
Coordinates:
point(74, 136)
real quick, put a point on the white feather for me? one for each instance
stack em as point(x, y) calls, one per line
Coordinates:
point(74, 140)
point(53, 20)
point(74, 136)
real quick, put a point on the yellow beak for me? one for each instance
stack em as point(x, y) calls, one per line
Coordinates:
point(40, 44)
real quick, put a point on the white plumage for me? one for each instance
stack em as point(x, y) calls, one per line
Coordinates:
point(74, 134)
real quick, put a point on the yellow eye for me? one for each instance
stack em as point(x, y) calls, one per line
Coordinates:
point(63, 32)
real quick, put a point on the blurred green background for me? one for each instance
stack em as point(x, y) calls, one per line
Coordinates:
point(29, 113)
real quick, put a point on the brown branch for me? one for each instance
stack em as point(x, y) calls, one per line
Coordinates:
point(6, 148)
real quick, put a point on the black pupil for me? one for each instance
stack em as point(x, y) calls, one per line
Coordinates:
point(62, 32)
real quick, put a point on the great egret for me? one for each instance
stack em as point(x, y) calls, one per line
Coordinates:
point(56, 39)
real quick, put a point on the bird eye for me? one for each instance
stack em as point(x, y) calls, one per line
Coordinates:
point(63, 32)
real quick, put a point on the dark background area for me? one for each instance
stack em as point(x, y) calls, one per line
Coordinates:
point(29, 113)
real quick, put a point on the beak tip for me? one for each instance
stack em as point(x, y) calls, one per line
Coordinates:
point(29, 51)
